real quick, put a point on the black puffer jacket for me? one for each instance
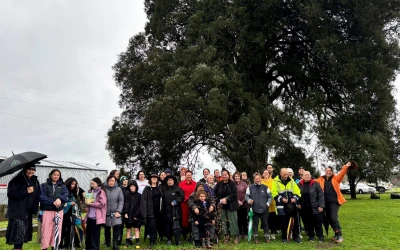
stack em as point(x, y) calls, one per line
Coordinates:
point(171, 194)
point(132, 203)
point(316, 195)
point(20, 203)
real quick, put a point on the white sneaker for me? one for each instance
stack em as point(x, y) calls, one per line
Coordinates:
point(301, 236)
point(273, 236)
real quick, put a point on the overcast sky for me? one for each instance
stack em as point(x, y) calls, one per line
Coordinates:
point(64, 50)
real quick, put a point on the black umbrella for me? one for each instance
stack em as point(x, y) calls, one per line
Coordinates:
point(18, 161)
point(176, 227)
point(326, 224)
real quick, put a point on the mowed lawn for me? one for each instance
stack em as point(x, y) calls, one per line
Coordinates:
point(367, 224)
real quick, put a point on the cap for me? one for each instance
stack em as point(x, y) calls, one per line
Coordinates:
point(30, 166)
point(154, 176)
point(168, 171)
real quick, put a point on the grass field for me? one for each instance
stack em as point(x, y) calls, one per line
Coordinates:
point(367, 224)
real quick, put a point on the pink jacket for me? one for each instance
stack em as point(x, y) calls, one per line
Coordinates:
point(100, 205)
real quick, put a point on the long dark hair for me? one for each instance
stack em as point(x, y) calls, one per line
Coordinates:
point(112, 173)
point(98, 182)
point(68, 184)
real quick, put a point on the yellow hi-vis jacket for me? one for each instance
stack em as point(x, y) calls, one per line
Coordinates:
point(288, 191)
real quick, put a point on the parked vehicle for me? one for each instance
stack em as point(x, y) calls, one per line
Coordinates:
point(382, 186)
point(344, 188)
point(362, 188)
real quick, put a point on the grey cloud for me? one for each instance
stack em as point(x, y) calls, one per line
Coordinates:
point(63, 49)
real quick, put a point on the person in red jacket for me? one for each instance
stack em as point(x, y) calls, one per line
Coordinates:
point(188, 186)
point(330, 184)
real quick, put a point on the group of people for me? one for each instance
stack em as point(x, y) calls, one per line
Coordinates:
point(216, 206)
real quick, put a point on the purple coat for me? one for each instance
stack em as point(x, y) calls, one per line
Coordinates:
point(100, 205)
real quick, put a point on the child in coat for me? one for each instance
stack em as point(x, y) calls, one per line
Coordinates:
point(205, 220)
point(132, 213)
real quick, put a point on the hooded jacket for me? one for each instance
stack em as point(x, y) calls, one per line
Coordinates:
point(146, 204)
point(316, 195)
point(20, 202)
point(132, 203)
point(284, 189)
point(261, 196)
point(115, 203)
point(49, 193)
point(336, 180)
point(192, 200)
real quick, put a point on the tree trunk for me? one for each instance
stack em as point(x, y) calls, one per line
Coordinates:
point(352, 183)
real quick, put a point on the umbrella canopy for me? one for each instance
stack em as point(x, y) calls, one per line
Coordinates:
point(18, 161)
point(250, 228)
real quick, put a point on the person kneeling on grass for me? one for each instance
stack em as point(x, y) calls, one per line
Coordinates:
point(132, 213)
point(259, 197)
point(205, 219)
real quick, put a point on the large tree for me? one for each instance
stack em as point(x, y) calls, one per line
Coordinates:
point(290, 156)
point(240, 77)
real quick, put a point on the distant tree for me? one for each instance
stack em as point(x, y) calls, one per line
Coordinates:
point(367, 133)
point(293, 157)
point(239, 77)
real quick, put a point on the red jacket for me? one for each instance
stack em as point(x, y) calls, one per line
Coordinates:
point(188, 189)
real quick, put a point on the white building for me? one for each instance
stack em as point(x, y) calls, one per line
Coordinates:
point(82, 172)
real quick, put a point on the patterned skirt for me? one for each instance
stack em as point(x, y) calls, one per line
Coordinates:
point(19, 231)
point(48, 228)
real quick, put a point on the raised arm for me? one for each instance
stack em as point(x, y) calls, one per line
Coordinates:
point(343, 172)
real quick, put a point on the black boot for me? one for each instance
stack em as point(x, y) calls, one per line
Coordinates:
point(108, 242)
point(137, 244)
point(152, 244)
point(128, 242)
point(197, 243)
point(115, 246)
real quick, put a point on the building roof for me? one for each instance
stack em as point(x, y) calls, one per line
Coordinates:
point(82, 172)
point(64, 164)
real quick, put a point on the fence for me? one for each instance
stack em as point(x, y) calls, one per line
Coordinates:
point(3, 231)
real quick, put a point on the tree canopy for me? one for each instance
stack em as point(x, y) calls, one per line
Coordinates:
point(244, 78)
